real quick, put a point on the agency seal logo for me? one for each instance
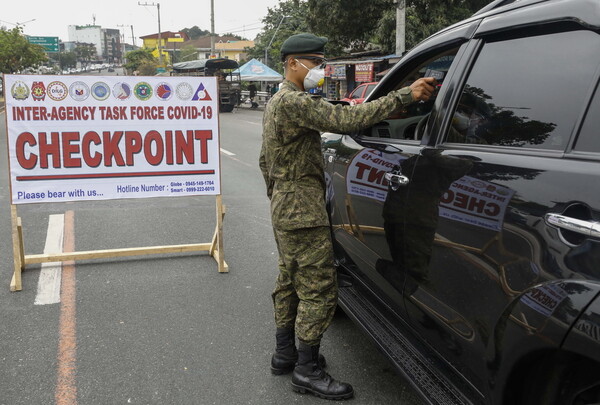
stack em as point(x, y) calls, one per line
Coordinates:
point(121, 91)
point(100, 91)
point(57, 91)
point(38, 91)
point(201, 94)
point(19, 90)
point(79, 91)
point(163, 91)
point(142, 91)
point(184, 91)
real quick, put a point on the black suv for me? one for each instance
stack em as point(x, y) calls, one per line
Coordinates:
point(467, 228)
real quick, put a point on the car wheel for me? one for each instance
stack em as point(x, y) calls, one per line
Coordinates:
point(226, 107)
point(563, 380)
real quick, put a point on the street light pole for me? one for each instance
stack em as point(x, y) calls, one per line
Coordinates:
point(157, 5)
point(212, 28)
point(272, 38)
point(19, 25)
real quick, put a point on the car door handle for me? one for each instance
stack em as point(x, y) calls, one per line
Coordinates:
point(396, 180)
point(587, 228)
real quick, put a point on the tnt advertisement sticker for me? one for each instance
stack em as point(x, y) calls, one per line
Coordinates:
point(98, 138)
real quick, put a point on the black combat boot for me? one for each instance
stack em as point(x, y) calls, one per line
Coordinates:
point(285, 356)
point(310, 377)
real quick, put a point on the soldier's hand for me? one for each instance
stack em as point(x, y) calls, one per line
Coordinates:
point(423, 88)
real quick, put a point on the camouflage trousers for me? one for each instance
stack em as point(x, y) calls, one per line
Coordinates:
point(306, 293)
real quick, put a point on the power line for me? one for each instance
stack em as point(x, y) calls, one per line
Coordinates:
point(258, 22)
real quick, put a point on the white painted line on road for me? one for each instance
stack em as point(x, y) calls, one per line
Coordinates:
point(48, 291)
point(253, 123)
point(227, 152)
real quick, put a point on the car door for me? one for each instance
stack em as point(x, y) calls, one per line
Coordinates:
point(472, 263)
point(364, 170)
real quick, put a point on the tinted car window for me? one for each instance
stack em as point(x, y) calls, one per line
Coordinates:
point(589, 137)
point(370, 88)
point(403, 123)
point(357, 93)
point(526, 92)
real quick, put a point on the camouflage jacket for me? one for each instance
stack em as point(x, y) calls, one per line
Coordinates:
point(291, 160)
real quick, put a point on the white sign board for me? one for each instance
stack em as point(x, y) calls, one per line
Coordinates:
point(76, 138)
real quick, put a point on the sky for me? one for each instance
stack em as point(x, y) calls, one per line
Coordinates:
point(51, 18)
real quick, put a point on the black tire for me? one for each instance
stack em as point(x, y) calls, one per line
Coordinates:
point(227, 107)
point(562, 380)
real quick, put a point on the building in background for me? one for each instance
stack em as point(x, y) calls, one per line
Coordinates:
point(235, 50)
point(225, 47)
point(107, 41)
point(171, 43)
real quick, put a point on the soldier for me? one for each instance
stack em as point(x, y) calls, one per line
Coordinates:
point(305, 295)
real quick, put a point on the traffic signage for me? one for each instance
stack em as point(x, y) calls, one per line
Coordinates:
point(50, 44)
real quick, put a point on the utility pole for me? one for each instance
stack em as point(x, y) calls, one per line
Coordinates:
point(400, 27)
point(212, 27)
point(132, 37)
point(157, 5)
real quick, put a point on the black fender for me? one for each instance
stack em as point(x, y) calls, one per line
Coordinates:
point(538, 321)
point(584, 337)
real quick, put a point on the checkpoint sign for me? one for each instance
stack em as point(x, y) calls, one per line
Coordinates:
point(77, 138)
point(50, 44)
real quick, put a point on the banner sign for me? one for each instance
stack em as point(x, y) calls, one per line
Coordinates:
point(76, 138)
point(363, 72)
point(468, 200)
point(337, 72)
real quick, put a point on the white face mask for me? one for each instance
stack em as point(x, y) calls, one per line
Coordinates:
point(314, 78)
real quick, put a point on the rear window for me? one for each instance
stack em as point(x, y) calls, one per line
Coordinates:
point(527, 92)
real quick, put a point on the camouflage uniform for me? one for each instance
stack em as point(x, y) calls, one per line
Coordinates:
point(305, 295)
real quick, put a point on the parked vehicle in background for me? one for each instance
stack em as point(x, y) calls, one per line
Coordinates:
point(230, 84)
point(358, 95)
point(467, 228)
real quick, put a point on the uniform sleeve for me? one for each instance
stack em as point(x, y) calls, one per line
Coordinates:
point(315, 113)
point(262, 163)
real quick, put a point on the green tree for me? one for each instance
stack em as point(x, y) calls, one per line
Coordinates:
point(85, 52)
point(67, 59)
point(236, 36)
point(147, 68)
point(195, 32)
point(357, 23)
point(16, 54)
point(290, 17)
point(187, 52)
point(139, 57)
point(354, 24)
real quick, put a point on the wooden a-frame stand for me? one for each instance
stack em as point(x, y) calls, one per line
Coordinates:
point(215, 248)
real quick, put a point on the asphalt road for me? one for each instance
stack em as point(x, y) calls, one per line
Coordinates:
point(168, 329)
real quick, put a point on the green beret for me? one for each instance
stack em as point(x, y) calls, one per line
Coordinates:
point(303, 43)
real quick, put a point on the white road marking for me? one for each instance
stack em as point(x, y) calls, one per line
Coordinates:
point(48, 291)
point(227, 152)
point(253, 123)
